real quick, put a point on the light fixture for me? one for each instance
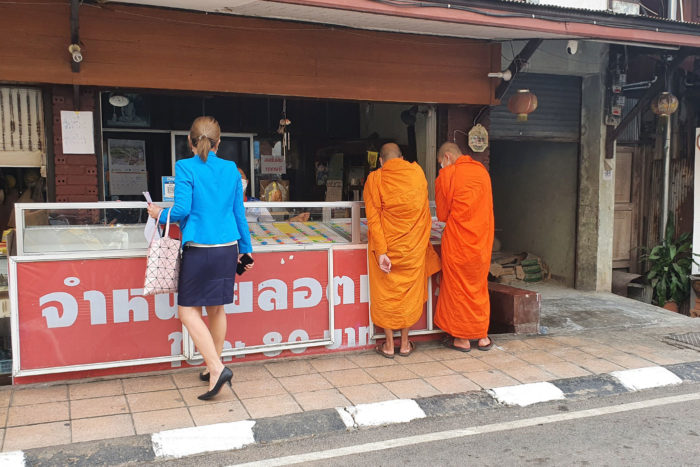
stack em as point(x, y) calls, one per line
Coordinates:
point(522, 103)
point(118, 100)
point(665, 104)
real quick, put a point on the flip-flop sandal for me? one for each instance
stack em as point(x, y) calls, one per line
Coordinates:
point(486, 347)
point(450, 344)
point(411, 346)
point(379, 348)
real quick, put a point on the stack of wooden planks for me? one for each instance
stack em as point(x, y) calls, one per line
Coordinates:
point(524, 267)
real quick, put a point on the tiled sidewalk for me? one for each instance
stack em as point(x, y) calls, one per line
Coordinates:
point(40, 415)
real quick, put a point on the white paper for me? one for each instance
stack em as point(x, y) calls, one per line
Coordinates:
point(77, 133)
point(151, 222)
point(273, 165)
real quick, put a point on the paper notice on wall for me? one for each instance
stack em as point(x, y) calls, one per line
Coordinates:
point(334, 190)
point(696, 219)
point(77, 132)
point(272, 165)
point(126, 183)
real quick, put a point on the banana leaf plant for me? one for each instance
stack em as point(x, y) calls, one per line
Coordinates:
point(669, 266)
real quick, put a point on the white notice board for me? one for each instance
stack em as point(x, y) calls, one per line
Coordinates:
point(77, 133)
point(696, 217)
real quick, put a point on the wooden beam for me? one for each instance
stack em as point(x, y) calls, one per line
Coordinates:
point(517, 64)
point(75, 31)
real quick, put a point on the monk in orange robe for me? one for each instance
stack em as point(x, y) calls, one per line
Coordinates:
point(399, 254)
point(464, 202)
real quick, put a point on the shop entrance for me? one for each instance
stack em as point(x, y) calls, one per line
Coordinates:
point(331, 146)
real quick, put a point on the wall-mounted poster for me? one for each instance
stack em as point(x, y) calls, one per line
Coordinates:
point(126, 155)
point(127, 166)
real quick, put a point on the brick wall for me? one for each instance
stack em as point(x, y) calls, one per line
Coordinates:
point(76, 174)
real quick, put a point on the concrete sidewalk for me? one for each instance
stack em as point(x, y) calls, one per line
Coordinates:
point(38, 416)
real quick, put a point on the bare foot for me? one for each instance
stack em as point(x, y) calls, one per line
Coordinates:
point(461, 343)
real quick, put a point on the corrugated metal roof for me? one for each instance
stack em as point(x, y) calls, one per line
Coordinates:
point(536, 6)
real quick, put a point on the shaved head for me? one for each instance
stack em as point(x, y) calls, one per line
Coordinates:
point(448, 153)
point(389, 151)
point(449, 147)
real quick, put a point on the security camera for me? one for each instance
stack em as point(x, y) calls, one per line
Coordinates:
point(75, 53)
point(572, 47)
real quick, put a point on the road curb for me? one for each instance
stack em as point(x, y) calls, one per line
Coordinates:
point(144, 448)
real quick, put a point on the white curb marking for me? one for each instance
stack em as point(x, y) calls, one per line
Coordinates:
point(646, 378)
point(346, 417)
point(195, 440)
point(383, 413)
point(527, 394)
point(356, 449)
point(12, 459)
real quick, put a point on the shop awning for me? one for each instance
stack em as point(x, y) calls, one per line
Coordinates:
point(481, 19)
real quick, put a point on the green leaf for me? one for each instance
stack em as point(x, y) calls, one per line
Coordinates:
point(672, 251)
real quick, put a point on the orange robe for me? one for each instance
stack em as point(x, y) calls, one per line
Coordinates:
point(464, 202)
point(399, 223)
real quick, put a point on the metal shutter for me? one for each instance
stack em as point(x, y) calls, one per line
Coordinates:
point(22, 138)
point(558, 115)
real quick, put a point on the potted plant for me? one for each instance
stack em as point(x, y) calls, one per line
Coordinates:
point(669, 268)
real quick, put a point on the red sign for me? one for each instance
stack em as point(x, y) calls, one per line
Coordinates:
point(92, 311)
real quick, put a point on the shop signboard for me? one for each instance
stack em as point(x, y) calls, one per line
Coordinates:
point(72, 313)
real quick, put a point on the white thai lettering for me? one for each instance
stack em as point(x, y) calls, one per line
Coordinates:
point(98, 306)
point(166, 306)
point(56, 318)
point(299, 335)
point(123, 305)
point(242, 299)
point(310, 297)
point(275, 299)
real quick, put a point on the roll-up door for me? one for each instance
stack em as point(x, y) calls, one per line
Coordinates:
point(558, 114)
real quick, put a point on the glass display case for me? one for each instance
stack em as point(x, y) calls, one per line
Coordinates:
point(54, 228)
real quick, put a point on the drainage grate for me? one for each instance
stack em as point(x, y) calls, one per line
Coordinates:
point(690, 339)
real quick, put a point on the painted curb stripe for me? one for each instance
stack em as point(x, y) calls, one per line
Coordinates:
point(527, 394)
point(464, 432)
point(208, 438)
point(12, 459)
point(346, 417)
point(646, 378)
point(384, 413)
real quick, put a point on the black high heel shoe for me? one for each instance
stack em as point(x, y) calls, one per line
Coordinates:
point(204, 377)
point(224, 377)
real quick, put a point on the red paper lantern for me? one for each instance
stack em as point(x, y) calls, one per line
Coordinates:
point(522, 103)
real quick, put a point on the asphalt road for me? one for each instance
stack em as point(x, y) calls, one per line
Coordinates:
point(650, 431)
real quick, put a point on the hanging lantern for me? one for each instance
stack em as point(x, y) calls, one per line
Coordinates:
point(664, 104)
point(522, 103)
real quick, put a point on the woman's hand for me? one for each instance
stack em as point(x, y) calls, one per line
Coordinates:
point(250, 265)
point(154, 210)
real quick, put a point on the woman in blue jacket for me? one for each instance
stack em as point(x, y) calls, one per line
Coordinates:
point(209, 207)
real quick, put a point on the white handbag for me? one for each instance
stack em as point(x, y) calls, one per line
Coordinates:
point(162, 263)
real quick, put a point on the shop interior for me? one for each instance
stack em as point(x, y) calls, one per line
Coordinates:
point(289, 149)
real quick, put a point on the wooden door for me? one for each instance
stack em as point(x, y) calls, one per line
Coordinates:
point(624, 228)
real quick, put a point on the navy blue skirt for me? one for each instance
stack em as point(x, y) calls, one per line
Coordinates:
point(207, 275)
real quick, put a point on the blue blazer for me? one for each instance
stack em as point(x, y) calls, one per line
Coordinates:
point(209, 203)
